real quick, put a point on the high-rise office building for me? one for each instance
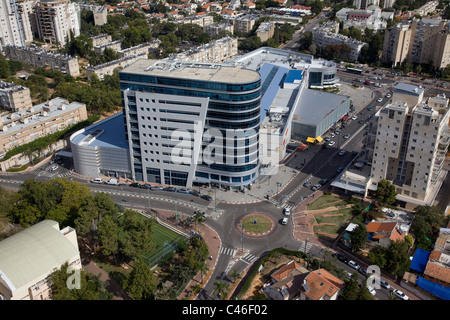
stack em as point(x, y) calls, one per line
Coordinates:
point(191, 123)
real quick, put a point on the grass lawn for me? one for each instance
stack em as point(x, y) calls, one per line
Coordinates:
point(262, 224)
point(338, 221)
point(325, 201)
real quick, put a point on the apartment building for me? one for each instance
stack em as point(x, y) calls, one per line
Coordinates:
point(418, 41)
point(11, 26)
point(24, 126)
point(265, 30)
point(411, 138)
point(216, 51)
point(57, 20)
point(364, 4)
point(215, 28)
point(101, 39)
point(38, 57)
point(109, 67)
point(14, 97)
point(100, 15)
point(243, 23)
point(323, 38)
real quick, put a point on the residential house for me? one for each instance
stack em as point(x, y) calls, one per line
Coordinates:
point(320, 285)
point(384, 231)
point(286, 281)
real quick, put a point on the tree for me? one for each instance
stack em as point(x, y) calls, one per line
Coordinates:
point(108, 235)
point(222, 289)
point(350, 290)
point(358, 237)
point(377, 256)
point(397, 258)
point(426, 223)
point(138, 233)
point(386, 193)
point(140, 284)
point(364, 293)
point(234, 275)
point(90, 286)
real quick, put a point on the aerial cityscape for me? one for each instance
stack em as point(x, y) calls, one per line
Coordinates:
point(250, 151)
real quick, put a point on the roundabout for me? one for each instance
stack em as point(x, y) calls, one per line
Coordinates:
point(256, 225)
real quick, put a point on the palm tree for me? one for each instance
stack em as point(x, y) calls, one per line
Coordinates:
point(222, 288)
point(235, 274)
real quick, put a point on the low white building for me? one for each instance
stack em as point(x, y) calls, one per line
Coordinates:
point(28, 258)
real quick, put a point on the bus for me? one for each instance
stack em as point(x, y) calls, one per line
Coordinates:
point(354, 71)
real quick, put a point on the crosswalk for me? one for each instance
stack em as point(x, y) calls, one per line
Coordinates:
point(227, 251)
point(249, 258)
point(305, 246)
point(65, 175)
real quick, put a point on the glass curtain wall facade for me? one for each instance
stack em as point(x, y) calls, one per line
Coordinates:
point(229, 145)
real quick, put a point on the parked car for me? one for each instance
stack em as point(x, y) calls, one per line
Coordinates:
point(337, 131)
point(340, 169)
point(97, 180)
point(157, 188)
point(380, 99)
point(183, 190)
point(361, 121)
point(287, 211)
point(53, 168)
point(145, 186)
point(307, 183)
point(353, 264)
point(388, 95)
point(170, 189)
point(370, 108)
point(135, 184)
point(372, 290)
point(195, 193)
point(346, 136)
point(331, 143)
point(354, 117)
point(284, 221)
point(342, 152)
point(316, 187)
point(323, 181)
point(341, 258)
point(384, 284)
point(399, 294)
point(206, 197)
point(363, 271)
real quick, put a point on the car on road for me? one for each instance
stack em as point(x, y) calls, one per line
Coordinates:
point(195, 193)
point(135, 184)
point(145, 186)
point(354, 117)
point(340, 169)
point(287, 211)
point(353, 264)
point(388, 95)
point(307, 184)
point(97, 180)
point(284, 221)
point(113, 182)
point(369, 108)
point(328, 139)
point(399, 294)
point(316, 187)
point(363, 271)
point(384, 284)
point(157, 188)
point(380, 99)
point(342, 152)
point(206, 197)
point(53, 168)
point(341, 257)
point(170, 189)
point(361, 121)
point(331, 143)
point(337, 131)
point(324, 181)
point(332, 135)
point(346, 136)
point(372, 290)
point(183, 190)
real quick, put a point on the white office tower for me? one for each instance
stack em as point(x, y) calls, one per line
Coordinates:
point(57, 20)
point(11, 26)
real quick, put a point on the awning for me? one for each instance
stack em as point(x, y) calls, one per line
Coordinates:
point(319, 138)
point(345, 118)
point(311, 140)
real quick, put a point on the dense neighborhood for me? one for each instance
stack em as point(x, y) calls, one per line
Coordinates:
point(224, 150)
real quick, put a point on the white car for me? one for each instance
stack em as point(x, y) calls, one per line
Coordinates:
point(354, 117)
point(331, 143)
point(287, 211)
point(400, 294)
point(97, 180)
point(372, 290)
point(342, 152)
point(53, 168)
point(284, 221)
point(353, 264)
point(113, 182)
point(388, 95)
point(380, 99)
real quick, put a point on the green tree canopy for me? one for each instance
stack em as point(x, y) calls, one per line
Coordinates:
point(386, 193)
point(140, 284)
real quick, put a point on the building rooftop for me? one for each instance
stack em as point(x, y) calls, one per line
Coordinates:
point(214, 72)
point(403, 87)
point(314, 105)
point(33, 252)
point(109, 132)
